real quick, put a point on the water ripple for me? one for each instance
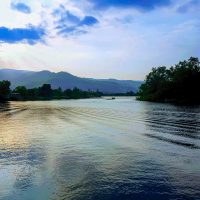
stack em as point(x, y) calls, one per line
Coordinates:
point(98, 149)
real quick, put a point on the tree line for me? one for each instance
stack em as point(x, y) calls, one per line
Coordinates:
point(178, 84)
point(45, 92)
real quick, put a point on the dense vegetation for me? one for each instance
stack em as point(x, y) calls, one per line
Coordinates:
point(130, 93)
point(45, 92)
point(179, 84)
point(4, 90)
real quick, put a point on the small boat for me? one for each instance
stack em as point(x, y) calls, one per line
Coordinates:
point(112, 98)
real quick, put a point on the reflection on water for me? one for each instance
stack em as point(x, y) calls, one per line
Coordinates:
point(98, 149)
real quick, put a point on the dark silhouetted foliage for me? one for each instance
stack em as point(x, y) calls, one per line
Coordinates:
point(4, 90)
point(130, 93)
point(45, 92)
point(179, 84)
point(77, 94)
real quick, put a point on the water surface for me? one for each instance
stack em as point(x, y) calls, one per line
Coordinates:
point(99, 149)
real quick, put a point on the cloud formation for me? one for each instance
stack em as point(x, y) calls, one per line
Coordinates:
point(191, 5)
point(30, 35)
point(69, 23)
point(99, 38)
point(21, 7)
point(138, 4)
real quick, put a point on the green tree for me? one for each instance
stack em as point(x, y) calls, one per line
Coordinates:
point(45, 91)
point(186, 81)
point(4, 90)
point(178, 84)
point(156, 85)
point(58, 93)
point(22, 91)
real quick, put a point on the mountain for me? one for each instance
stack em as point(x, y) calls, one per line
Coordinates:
point(66, 80)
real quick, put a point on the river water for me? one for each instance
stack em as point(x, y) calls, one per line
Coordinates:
point(99, 149)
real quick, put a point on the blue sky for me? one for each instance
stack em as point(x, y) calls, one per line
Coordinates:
point(121, 39)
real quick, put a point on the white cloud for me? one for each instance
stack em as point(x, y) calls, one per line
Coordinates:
point(125, 44)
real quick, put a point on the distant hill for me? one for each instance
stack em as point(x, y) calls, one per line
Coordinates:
point(66, 80)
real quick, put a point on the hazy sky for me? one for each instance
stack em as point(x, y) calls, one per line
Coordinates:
point(98, 38)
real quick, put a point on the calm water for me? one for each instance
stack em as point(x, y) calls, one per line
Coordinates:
point(99, 149)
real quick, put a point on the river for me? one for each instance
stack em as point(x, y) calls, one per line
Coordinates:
point(96, 149)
